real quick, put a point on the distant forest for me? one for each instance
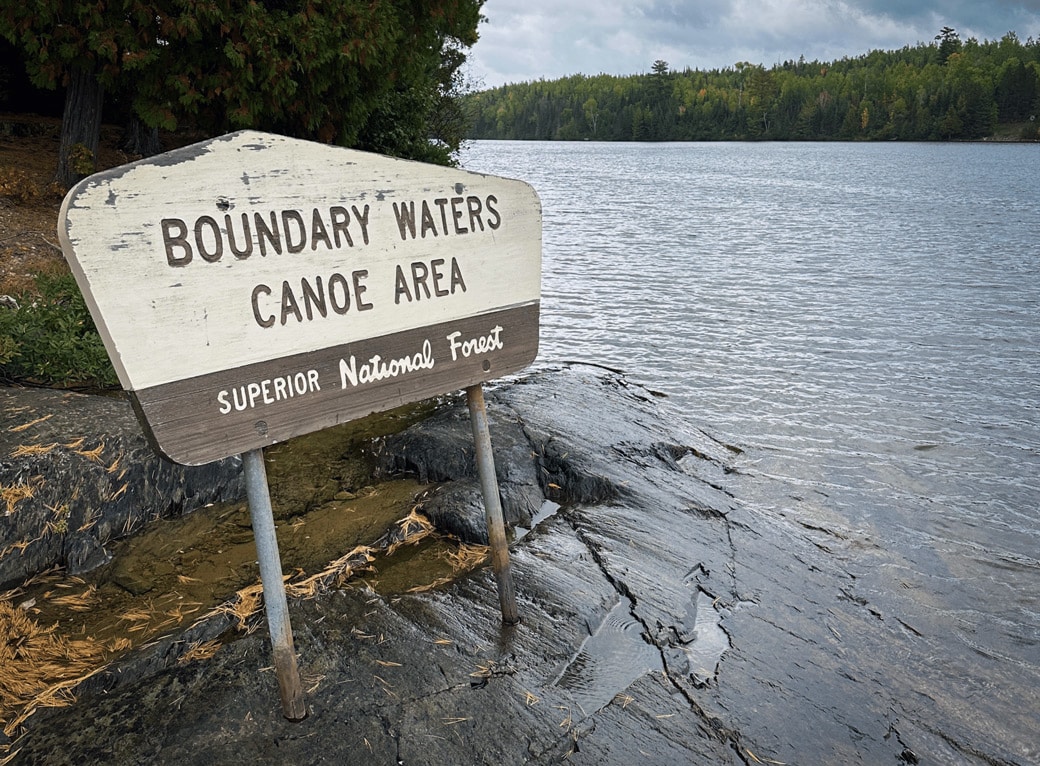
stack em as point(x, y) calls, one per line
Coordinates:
point(950, 89)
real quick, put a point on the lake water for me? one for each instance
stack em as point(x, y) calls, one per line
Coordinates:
point(863, 319)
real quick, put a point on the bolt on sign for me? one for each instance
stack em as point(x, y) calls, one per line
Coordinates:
point(254, 287)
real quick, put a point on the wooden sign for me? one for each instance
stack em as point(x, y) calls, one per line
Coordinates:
point(253, 287)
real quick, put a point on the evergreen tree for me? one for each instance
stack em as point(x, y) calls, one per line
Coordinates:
point(331, 71)
point(949, 43)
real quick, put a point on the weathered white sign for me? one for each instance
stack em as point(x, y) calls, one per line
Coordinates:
point(253, 287)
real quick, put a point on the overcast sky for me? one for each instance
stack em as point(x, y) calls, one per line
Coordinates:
point(531, 39)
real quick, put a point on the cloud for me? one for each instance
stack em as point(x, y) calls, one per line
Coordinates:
point(533, 39)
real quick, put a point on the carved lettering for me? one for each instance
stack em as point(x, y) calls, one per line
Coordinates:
point(267, 233)
point(444, 216)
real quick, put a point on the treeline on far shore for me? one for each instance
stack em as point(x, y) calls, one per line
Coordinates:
point(948, 89)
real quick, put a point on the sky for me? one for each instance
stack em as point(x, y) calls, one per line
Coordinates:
point(523, 40)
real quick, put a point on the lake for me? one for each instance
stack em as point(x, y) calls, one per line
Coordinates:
point(863, 320)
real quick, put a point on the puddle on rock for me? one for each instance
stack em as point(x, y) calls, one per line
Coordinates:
point(176, 571)
point(705, 640)
point(547, 511)
point(617, 653)
point(609, 661)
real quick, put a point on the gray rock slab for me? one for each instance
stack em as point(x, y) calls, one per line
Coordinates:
point(662, 622)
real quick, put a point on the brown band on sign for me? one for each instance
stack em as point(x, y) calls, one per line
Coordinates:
point(205, 418)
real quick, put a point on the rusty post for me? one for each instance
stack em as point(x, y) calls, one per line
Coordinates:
point(492, 504)
point(290, 689)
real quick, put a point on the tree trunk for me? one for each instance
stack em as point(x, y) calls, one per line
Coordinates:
point(139, 140)
point(80, 127)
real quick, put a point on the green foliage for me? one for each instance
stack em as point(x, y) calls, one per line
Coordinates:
point(81, 160)
point(50, 339)
point(329, 71)
point(949, 90)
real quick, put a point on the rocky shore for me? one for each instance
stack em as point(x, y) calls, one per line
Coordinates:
point(77, 473)
point(662, 622)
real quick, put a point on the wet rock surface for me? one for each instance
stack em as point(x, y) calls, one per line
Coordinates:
point(77, 473)
point(662, 622)
point(440, 449)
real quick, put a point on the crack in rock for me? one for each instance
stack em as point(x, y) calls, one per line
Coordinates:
point(691, 650)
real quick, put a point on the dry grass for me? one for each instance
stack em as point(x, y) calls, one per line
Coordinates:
point(136, 616)
point(198, 651)
point(431, 585)
point(94, 454)
point(412, 529)
point(120, 645)
point(16, 493)
point(78, 602)
point(334, 575)
point(50, 576)
point(41, 667)
point(466, 557)
point(243, 607)
point(25, 450)
point(26, 426)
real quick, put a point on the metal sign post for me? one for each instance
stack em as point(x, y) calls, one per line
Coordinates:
point(289, 687)
point(496, 527)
